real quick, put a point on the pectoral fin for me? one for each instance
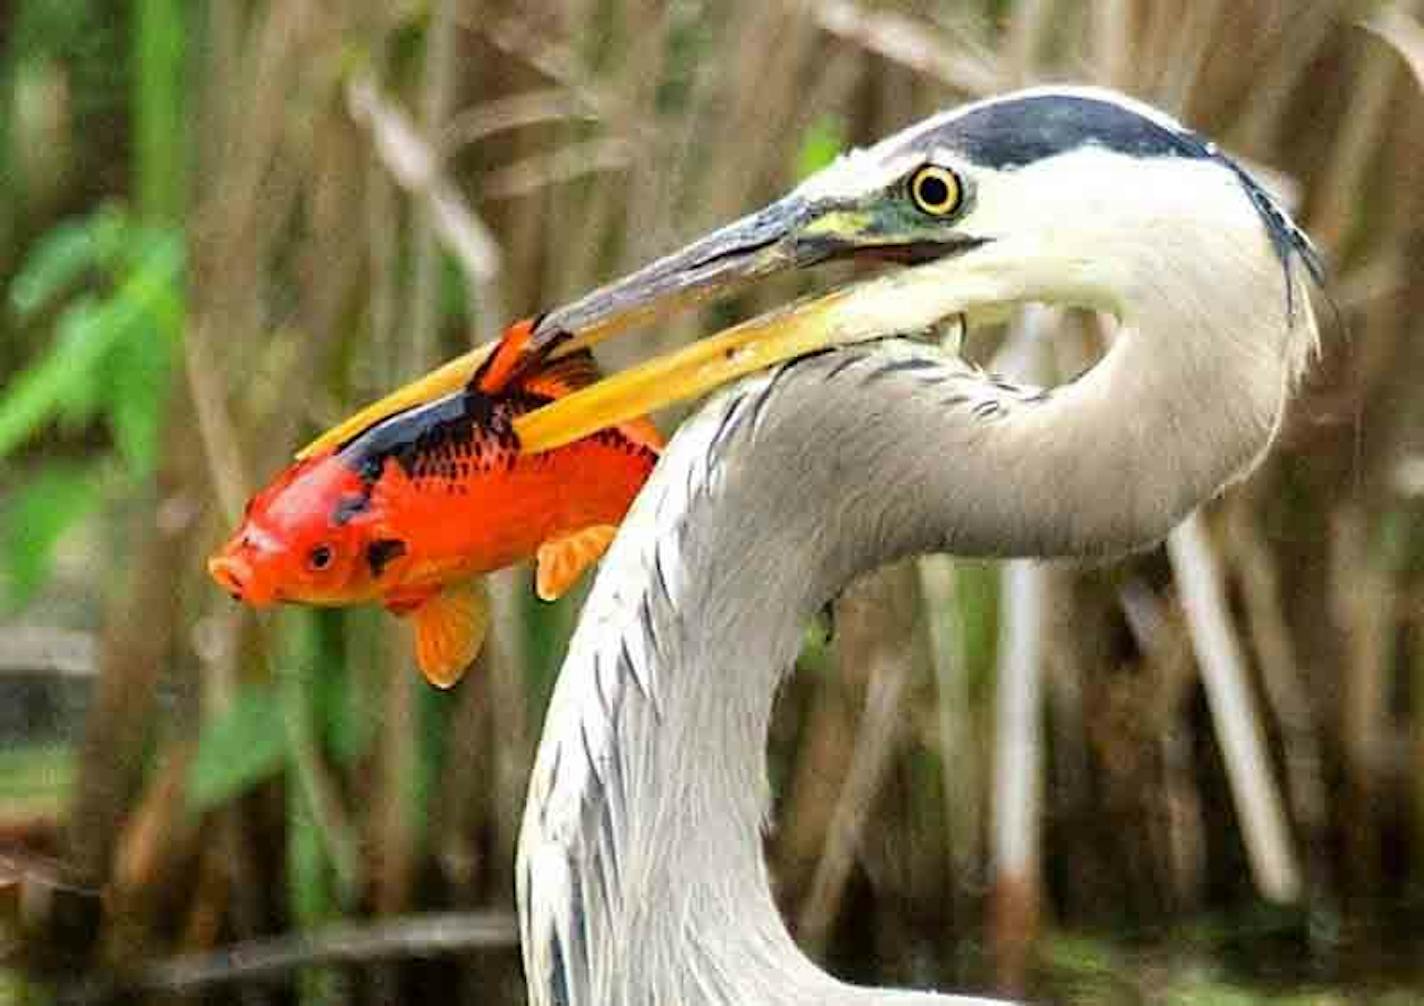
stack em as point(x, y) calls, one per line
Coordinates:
point(562, 560)
point(450, 628)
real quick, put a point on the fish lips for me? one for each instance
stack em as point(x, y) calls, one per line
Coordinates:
point(238, 577)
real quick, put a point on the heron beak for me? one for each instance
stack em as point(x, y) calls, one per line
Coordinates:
point(795, 232)
point(686, 373)
point(758, 245)
point(910, 302)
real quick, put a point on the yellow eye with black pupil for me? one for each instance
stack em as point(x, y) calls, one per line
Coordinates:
point(935, 190)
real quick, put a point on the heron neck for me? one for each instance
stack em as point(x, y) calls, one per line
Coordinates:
point(641, 870)
point(1185, 401)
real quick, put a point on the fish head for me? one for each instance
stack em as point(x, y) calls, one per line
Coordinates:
point(304, 538)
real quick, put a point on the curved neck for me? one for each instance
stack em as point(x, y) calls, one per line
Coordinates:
point(641, 876)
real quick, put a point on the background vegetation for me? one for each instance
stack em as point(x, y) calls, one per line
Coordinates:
point(224, 224)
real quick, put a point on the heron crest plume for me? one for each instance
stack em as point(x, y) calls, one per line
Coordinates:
point(641, 877)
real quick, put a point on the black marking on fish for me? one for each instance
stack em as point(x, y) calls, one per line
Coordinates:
point(349, 506)
point(382, 552)
point(370, 469)
point(427, 440)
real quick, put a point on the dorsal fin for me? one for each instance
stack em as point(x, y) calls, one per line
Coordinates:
point(506, 360)
point(557, 378)
point(577, 370)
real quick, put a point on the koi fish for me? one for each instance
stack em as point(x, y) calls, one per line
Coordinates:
point(425, 491)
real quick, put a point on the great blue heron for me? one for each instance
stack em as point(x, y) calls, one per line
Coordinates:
point(641, 877)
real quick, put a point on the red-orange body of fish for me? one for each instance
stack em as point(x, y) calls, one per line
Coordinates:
point(409, 510)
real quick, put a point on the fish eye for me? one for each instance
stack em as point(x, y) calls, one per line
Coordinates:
point(936, 190)
point(320, 557)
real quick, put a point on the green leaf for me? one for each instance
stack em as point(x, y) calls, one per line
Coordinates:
point(38, 514)
point(148, 303)
point(159, 44)
point(151, 291)
point(140, 390)
point(80, 394)
point(245, 746)
point(59, 261)
point(823, 142)
point(59, 381)
point(136, 392)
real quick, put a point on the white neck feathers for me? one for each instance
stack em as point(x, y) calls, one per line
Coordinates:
point(641, 878)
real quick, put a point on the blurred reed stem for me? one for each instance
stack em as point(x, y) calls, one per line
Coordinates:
point(160, 129)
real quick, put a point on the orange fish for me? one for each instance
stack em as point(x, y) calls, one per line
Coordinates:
point(409, 508)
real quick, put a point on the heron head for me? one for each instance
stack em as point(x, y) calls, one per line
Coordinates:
point(1073, 196)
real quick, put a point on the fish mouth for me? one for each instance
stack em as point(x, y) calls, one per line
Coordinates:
point(236, 576)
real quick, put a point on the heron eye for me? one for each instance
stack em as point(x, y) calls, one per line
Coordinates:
point(936, 190)
point(320, 557)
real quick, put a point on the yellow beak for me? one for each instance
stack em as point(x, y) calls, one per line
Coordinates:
point(683, 374)
point(912, 302)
